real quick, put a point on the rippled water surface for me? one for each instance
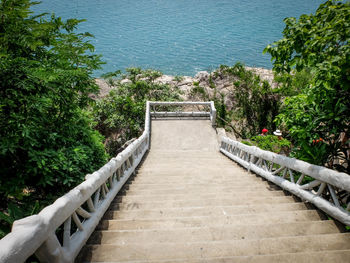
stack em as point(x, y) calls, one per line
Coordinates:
point(181, 37)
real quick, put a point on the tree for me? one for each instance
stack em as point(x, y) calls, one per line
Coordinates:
point(47, 143)
point(120, 116)
point(256, 103)
point(318, 43)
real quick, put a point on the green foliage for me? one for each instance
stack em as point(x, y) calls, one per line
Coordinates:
point(319, 44)
point(47, 143)
point(256, 104)
point(292, 84)
point(217, 97)
point(120, 115)
point(178, 78)
point(271, 143)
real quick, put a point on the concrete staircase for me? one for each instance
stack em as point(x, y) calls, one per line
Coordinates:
point(189, 203)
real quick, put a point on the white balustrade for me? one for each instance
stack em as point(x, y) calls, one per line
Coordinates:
point(211, 114)
point(327, 189)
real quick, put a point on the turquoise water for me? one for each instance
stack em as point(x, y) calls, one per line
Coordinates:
point(181, 37)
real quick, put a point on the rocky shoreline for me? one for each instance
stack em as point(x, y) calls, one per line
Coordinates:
point(186, 83)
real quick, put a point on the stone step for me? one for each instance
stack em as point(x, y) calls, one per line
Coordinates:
point(210, 221)
point(135, 197)
point(201, 234)
point(183, 178)
point(188, 166)
point(198, 180)
point(203, 211)
point(329, 256)
point(190, 250)
point(185, 173)
point(239, 200)
point(207, 183)
point(193, 170)
point(185, 188)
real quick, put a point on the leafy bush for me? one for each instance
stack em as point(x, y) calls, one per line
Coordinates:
point(256, 103)
point(271, 143)
point(120, 115)
point(318, 43)
point(47, 143)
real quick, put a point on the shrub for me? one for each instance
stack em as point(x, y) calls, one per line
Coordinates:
point(47, 143)
point(120, 115)
point(318, 43)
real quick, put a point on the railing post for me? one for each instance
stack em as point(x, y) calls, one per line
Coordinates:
point(212, 113)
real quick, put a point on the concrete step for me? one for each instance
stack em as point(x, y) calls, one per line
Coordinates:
point(185, 174)
point(180, 180)
point(210, 221)
point(185, 188)
point(183, 178)
point(197, 183)
point(190, 250)
point(188, 166)
point(203, 211)
point(201, 234)
point(239, 200)
point(135, 197)
point(193, 170)
point(329, 256)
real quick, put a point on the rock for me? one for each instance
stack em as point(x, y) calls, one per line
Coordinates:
point(104, 89)
point(125, 81)
point(202, 76)
point(186, 81)
point(165, 79)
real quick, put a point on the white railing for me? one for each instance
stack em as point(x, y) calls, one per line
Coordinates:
point(195, 114)
point(327, 189)
point(78, 212)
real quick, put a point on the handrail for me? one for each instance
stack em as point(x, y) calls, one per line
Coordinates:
point(82, 207)
point(327, 189)
point(211, 114)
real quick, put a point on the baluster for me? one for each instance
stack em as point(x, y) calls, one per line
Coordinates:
point(321, 189)
point(311, 184)
point(119, 174)
point(265, 165)
point(66, 232)
point(97, 197)
point(90, 205)
point(258, 163)
point(110, 180)
point(103, 192)
point(83, 213)
point(77, 221)
point(105, 188)
point(334, 196)
point(300, 179)
point(291, 175)
point(284, 173)
point(278, 170)
point(128, 163)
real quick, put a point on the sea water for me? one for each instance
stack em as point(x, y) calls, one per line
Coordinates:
point(180, 37)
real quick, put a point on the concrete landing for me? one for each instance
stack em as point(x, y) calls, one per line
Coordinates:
point(183, 135)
